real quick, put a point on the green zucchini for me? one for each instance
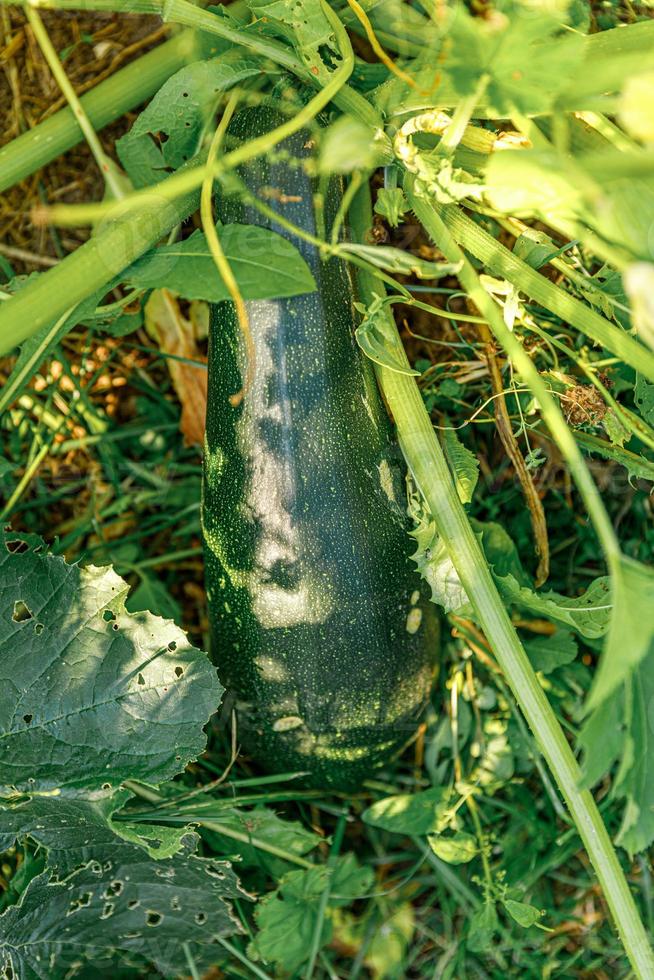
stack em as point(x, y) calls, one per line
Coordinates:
point(321, 630)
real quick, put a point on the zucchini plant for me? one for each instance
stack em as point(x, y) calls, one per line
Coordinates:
point(323, 631)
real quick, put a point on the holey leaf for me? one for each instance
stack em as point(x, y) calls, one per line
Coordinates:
point(74, 830)
point(168, 132)
point(265, 264)
point(121, 901)
point(304, 24)
point(90, 695)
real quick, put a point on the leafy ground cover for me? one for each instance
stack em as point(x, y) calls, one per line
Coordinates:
point(136, 840)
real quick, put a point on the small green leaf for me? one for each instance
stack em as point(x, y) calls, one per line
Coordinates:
point(549, 652)
point(152, 594)
point(288, 917)
point(431, 557)
point(350, 880)
point(534, 247)
point(483, 926)
point(525, 915)
point(265, 264)
point(620, 728)
point(644, 398)
point(415, 814)
point(168, 132)
point(588, 614)
point(615, 428)
point(264, 825)
point(373, 337)
point(457, 849)
point(348, 144)
point(463, 464)
point(303, 24)
point(391, 204)
point(400, 261)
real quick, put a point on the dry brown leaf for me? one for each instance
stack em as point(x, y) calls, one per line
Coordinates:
point(176, 335)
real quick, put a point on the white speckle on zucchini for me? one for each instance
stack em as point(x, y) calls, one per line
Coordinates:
point(287, 724)
point(413, 620)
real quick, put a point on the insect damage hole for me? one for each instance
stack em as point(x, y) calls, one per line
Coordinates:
point(153, 918)
point(82, 902)
point(113, 890)
point(21, 612)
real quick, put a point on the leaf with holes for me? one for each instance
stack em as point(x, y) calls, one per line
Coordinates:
point(168, 132)
point(304, 24)
point(90, 695)
point(74, 830)
point(122, 900)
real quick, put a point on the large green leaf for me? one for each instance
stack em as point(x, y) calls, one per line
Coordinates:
point(265, 265)
point(91, 695)
point(517, 51)
point(125, 901)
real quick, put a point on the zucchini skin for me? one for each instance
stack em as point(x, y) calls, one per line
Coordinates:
point(321, 630)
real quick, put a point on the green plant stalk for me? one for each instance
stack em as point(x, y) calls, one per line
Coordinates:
point(324, 898)
point(427, 463)
point(235, 951)
point(109, 100)
point(501, 262)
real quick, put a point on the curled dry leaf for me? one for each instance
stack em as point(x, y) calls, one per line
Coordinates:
point(177, 335)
